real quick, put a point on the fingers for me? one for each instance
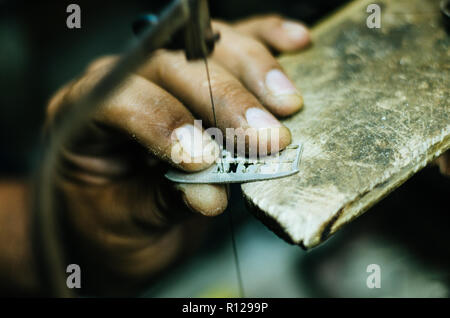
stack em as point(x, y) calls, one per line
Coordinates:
point(206, 199)
point(277, 32)
point(235, 106)
point(159, 202)
point(444, 163)
point(154, 118)
point(101, 62)
point(258, 70)
point(158, 121)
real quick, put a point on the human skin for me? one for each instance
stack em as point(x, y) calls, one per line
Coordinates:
point(130, 223)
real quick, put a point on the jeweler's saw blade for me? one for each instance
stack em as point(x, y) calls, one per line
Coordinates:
point(240, 170)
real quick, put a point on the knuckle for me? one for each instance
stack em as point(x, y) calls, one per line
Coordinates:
point(173, 121)
point(216, 23)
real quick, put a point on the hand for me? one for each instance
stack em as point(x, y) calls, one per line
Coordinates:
point(122, 210)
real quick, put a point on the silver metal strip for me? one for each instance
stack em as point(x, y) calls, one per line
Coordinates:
point(241, 170)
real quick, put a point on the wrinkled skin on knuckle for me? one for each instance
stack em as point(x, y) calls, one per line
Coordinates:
point(272, 18)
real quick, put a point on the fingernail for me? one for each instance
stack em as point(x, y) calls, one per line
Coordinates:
point(279, 84)
point(295, 30)
point(197, 144)
point(258, 118)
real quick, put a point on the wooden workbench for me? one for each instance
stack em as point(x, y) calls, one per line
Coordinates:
point(376, 111)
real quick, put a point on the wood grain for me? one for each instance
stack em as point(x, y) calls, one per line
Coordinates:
point(376, 111)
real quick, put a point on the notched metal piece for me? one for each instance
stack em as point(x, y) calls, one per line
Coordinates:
point(376, 111)
point(240, 170)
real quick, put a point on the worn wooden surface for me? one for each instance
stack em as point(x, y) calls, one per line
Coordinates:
point(376, 111)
